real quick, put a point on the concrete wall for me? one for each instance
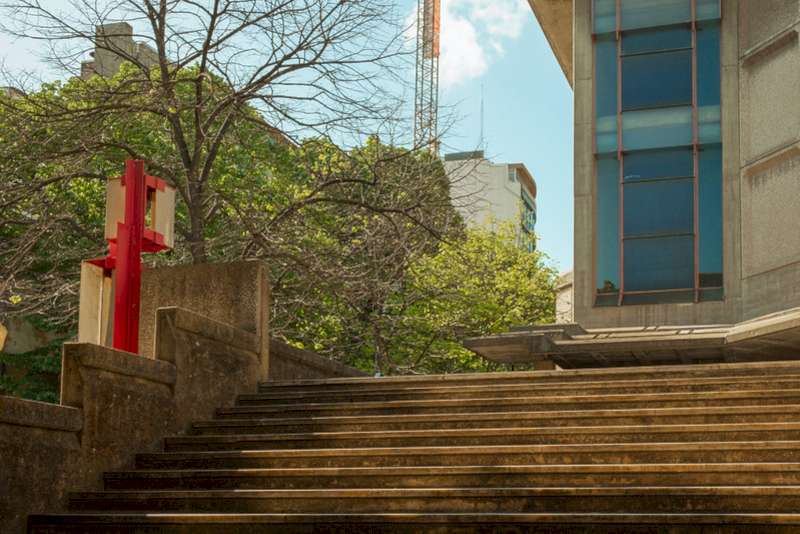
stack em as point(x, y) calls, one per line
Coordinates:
point(565, 297)
point(236, 294)
point(761, 171)
point(21, 336)
point(40, 447)
point(769, 66)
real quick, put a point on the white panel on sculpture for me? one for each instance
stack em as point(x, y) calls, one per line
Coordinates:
point(115, 206)
point(96, 301)
point(164, 222)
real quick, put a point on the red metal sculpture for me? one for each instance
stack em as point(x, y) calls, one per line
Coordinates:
point(130, 235)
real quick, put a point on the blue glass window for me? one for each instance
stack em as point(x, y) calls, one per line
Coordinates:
point(661, 207)
point(710, 216)
point(708, 9)
point(708, 82)
point(606, 94)
point(654, 164)
point(608, 236)
point(650, 13)
point(657, 128)
point(657, 80)
point(654, 264)
point(656, 40)
point(604, 13)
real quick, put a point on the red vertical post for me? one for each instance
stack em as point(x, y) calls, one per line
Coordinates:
point(128, 275)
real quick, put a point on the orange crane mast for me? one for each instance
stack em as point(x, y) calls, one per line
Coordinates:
point(426, 109)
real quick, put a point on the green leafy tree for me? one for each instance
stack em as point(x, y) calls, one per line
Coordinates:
point(477, 282)
point(479, 286)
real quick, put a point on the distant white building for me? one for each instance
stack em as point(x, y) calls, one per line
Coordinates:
point(485, 192)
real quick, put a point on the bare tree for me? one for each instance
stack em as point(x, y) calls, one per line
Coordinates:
point(292, 68)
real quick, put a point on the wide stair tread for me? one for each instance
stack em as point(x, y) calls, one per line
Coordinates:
point(530, 402)
point(675, 452)
point(693, 474)
point(705, 414)
point(397, 523)
point(269, 394)
point(607, 499)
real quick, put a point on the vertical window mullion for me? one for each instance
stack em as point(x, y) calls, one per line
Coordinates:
point(620, 155)
point(695, 155)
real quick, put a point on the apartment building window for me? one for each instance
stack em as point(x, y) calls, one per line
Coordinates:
point(658, 157)
point(528, 221)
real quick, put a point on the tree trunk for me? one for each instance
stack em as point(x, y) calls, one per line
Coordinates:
point(197, 242)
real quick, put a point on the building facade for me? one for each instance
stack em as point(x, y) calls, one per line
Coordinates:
point(114, 45)
point(486, 193)
point(687, 157)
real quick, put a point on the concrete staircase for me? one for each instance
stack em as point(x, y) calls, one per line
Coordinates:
point(704, 448)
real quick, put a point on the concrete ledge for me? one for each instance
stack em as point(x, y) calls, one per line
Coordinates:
point(77, 356)
point(768, 338)
point(759, 51)
point(289, 363)
point(22, 412)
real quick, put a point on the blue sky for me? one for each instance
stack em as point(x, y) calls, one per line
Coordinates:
point(496, 45)
point(499, 45)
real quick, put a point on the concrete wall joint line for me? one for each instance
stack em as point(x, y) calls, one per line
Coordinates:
point(772, 158)
point(770, 45)
point(211, 329)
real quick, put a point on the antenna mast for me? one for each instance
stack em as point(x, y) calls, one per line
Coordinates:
point(426, 110)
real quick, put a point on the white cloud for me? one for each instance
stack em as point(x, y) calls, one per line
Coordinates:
point(474, 34)
point(463, 57)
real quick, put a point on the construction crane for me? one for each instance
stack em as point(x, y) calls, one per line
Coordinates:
point(426, 108)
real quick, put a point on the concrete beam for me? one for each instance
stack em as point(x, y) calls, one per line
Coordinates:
point(555, 18)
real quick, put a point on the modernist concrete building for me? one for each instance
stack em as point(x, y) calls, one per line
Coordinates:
point(486, 193)
point(687, 157)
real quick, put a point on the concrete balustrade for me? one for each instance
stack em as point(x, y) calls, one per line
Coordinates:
point(116, 403)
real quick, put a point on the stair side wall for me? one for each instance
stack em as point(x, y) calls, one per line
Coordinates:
point(290, 363)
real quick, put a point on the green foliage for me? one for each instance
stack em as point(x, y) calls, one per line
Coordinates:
point(370, 262)
point(477, 283)
point(32, 375)
point(481, 285)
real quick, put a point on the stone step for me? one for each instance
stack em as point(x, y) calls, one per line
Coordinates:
point(366, 393)
point(504, 476)
point(694, 415)
point(529, 403)
point(615, 453)
point(705, 499)
point(517, 377)
point(542, 523)
point(492, 436)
